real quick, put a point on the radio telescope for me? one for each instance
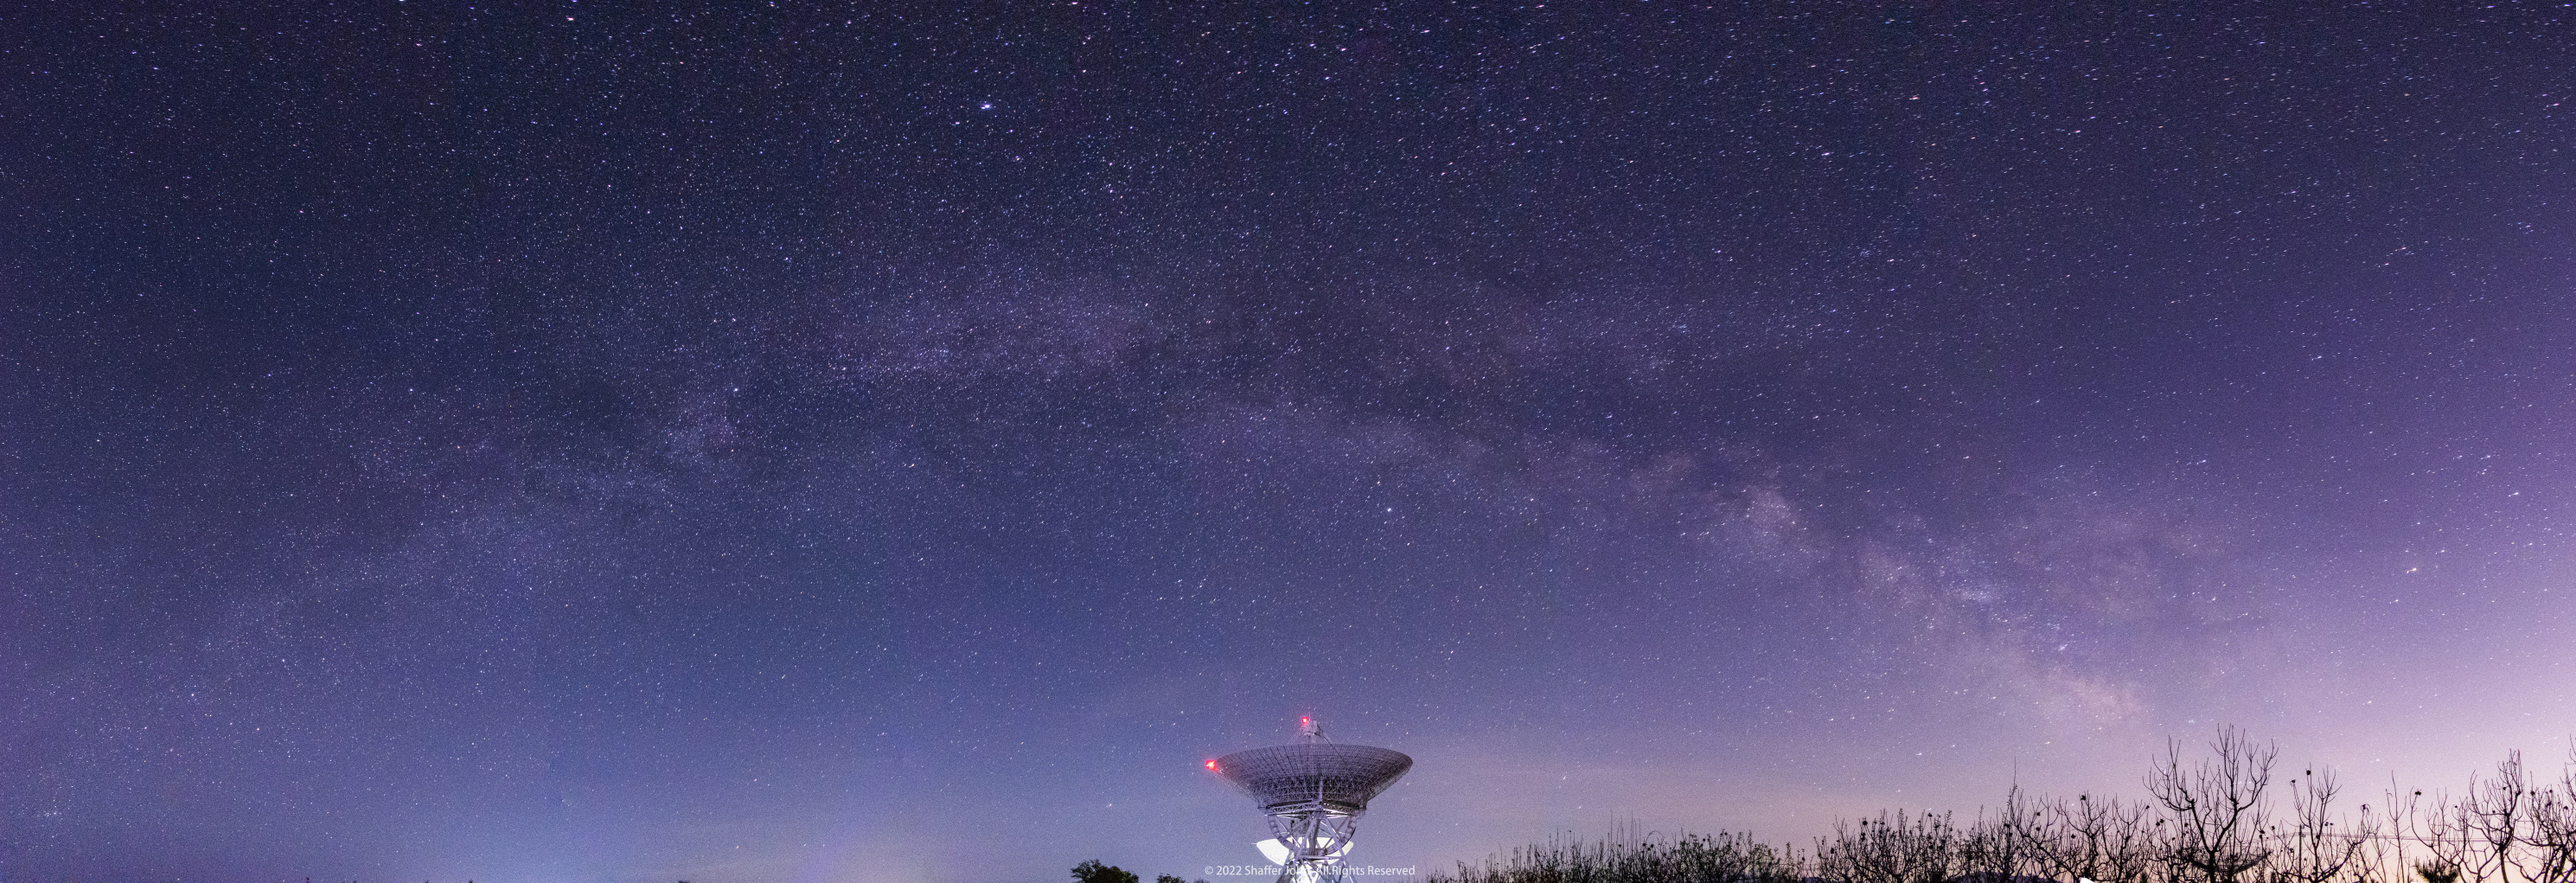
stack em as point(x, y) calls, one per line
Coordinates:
point(1314, 791)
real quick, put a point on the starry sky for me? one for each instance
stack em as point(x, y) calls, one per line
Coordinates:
point(891, 443)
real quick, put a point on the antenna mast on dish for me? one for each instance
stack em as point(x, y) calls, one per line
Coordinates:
point(1313, 792)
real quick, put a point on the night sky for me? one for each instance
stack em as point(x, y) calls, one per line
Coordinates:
point(554, 441)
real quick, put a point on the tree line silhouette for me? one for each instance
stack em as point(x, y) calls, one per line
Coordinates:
point(2224, 817)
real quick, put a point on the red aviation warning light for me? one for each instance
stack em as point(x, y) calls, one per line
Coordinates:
point(1211, 765)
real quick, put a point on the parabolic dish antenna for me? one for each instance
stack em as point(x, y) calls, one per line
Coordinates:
point(1313, 792)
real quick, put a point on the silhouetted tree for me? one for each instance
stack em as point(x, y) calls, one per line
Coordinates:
point(2089, 839)
point(1892, 848)
point(1094, 872)
point(2311, 851)
point(2553, 826)
point(2217, 808)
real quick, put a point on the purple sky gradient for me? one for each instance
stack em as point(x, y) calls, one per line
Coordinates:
point(897, 444)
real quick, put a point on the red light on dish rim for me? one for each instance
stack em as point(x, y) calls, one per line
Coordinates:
point(1211, 764)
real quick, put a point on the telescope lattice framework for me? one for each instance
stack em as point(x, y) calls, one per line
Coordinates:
point(1313, 792)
